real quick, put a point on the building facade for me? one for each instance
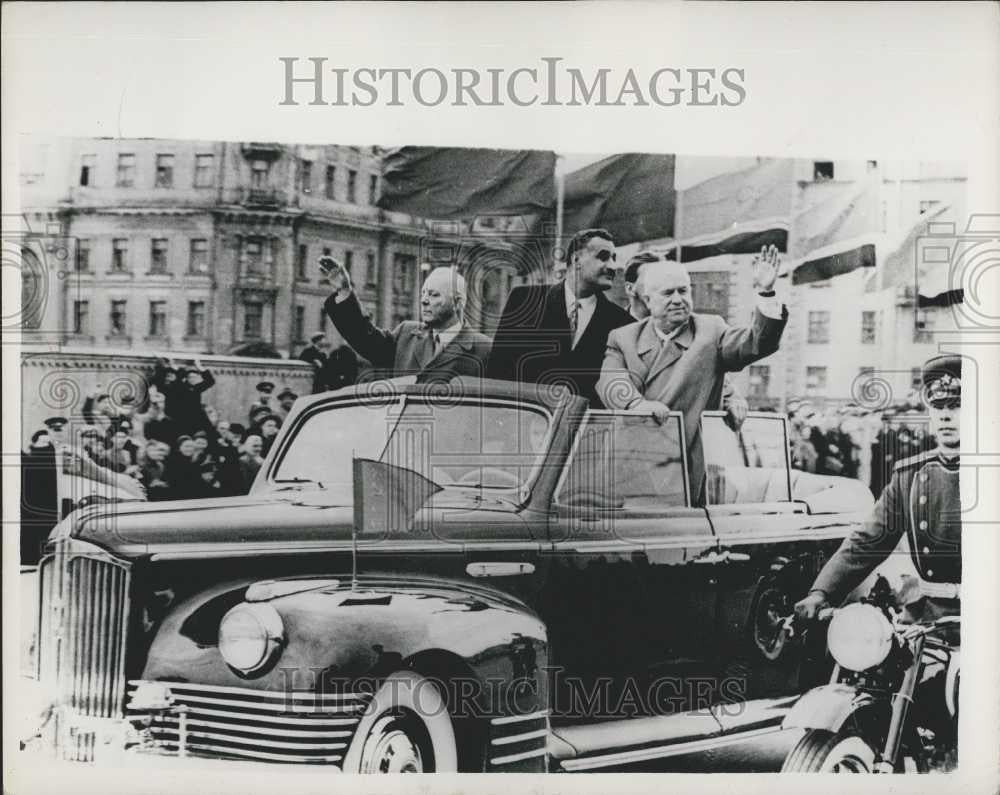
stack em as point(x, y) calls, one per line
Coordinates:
point(205, 246)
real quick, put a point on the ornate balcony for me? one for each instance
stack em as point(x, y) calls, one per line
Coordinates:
point(262, 197)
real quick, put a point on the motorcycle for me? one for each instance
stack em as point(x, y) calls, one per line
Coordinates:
point(882, 710)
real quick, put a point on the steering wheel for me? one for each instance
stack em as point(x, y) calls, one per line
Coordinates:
point(489, 476)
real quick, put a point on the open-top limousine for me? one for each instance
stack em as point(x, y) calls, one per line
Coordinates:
point(477, 576)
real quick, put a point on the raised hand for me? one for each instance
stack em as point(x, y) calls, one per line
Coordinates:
point(335, 272)
point(765, 268)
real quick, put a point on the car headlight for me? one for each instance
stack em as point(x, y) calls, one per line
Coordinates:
point(250, 636)
point(859, 637)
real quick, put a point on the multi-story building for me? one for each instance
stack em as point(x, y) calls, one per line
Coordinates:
point(204, 246)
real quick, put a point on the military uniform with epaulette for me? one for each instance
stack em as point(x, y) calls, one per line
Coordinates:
point(921, 502)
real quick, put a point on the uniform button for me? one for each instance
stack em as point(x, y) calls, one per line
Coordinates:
point(923, 525)
point(926, 550)
point(923, 498)
point(930, 572)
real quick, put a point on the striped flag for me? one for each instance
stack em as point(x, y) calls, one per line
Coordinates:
point(737, 213)
point(836, 232)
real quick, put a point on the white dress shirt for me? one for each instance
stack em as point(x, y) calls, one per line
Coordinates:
point(583, 314)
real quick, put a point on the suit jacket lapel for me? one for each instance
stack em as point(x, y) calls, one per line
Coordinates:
point(554, 319)
point(461, 343)
point(423, 347)
point(670, 352)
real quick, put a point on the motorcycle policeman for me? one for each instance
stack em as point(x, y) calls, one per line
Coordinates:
point(922, 502)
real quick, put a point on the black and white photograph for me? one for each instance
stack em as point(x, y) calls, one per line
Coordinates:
point(333, 444)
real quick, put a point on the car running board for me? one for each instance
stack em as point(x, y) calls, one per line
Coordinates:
point(623, 742)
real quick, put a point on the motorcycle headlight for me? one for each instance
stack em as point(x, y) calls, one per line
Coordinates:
point(250, 636)
point(859, 637)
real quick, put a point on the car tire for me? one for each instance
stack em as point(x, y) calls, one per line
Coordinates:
point(406, 728)
point(821, 751)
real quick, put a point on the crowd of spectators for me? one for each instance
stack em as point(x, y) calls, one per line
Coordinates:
point(176, 446)
point(856, 442)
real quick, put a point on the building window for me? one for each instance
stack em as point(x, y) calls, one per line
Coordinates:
point(253, 252)
point(819, 328)
point(371, 271)
point(349, 263)
point(864, 373)
point(118, 317)
point(253, 320)
point(352, 186)
point(157, 318)
point(326, 253)
point(119, 255)
point(199, 256)
point(923, 328)
point(759, 381)
point(402, 268)
point(815, 381)
point(329, 183)
point(83, 256)
point(305, 176)
point(87, 169)
point(710, 292)
point(871, 165)
point(302, 262)
point(164, 171)
point(126, 171)
point(928, 204)
point(196, 319)
point(869, 326)
point(299, 325)
point(158, 256)
point(203, 167)
point(822, 170)
point(81, 317)
point(372, 188)
point(916, 378)
point(260, 170)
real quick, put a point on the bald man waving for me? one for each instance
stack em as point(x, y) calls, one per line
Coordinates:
point(437, 348)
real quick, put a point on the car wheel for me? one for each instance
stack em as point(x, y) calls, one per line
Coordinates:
point(821, 751)
point(405, 729)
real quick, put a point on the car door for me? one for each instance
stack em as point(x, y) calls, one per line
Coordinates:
point(627, 599)
point(766, 547)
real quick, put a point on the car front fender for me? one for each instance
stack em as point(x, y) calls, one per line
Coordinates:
point(827, 707)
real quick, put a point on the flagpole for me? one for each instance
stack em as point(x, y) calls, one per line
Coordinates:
point(678, 212)
point(560, 200)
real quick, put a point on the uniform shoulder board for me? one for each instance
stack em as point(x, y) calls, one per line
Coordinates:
point(914, 460)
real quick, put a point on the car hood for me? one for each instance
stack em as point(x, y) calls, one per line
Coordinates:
point(284, 520)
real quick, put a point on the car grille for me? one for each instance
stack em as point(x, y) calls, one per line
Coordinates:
point(82, 631)
point(518, 742)
point(271, 726)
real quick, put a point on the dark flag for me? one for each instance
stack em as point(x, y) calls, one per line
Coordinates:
point(736, 213)
point(386, 497)
point(449, 184)
point(632, 196)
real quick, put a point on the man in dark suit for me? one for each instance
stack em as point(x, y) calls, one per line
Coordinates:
point(435, 349)
point(557, 334)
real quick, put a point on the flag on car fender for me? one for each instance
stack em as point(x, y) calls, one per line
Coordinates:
point(386, 497)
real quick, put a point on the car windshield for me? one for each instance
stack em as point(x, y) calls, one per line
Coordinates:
point(748, 466)
point(477, 444)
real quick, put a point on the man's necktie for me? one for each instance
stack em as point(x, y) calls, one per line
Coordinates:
point(436, 336)
point(574, 319)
